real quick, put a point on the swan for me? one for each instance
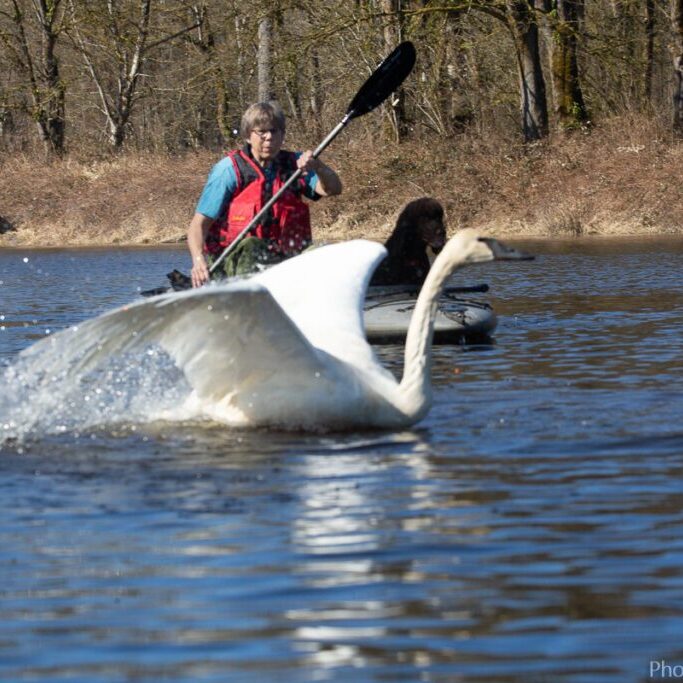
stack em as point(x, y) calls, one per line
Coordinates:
point(285, 348)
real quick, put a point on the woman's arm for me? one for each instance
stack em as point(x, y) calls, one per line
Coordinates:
point(196, 236)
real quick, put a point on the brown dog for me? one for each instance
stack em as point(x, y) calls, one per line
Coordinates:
point(418, 226)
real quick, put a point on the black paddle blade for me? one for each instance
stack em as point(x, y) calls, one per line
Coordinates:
point(385, 79)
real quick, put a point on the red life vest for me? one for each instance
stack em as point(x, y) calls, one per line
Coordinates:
point(287, 225)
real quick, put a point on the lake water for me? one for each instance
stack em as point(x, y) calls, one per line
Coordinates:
point(530, 529)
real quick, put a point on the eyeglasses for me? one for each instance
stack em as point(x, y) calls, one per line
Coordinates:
point(263, 133)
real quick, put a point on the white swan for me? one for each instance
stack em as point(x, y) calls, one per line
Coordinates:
point(286, 347)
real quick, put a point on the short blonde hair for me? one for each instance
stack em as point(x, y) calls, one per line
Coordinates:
point(262, 115)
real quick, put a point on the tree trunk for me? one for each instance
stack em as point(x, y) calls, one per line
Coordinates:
point(52, 116)
point(534, 106)
point(392, 37)
point(628, 24)
point(569, 103)
point(264, 60)
point(117, 132)
point(42, 70)
point(650, 27)
point(205, 42)
point(677, 19)
point(239, 47)
point(289, 71)
point(458, 111)
point(128, 79)
point(6, 120)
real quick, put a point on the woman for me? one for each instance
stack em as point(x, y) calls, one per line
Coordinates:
point(238, 187)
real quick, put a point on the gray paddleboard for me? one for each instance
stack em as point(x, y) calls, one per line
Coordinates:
point(387, 318)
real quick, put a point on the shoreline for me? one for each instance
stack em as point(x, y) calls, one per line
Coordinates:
point(621, 180)
point(650, 238)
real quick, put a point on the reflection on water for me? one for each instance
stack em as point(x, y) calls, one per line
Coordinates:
point(529, 529)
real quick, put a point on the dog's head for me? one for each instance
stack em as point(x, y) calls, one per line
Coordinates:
point(424, 218)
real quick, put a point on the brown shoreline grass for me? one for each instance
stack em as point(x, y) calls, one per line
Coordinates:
point(621, 179)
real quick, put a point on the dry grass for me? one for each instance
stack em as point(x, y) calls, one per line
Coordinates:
point(620, 179)
point(131, 200)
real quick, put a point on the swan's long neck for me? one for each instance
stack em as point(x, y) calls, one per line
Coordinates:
point(416, 385)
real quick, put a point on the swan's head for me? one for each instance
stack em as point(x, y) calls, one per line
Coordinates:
point(468, 247)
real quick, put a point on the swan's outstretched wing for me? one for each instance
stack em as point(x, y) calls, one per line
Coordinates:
point(273, 330)
point(323, 291)
point(226, 338)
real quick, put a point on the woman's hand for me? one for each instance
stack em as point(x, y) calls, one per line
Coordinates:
point(200, 271)
point(328, 181)
point(196, 236)
point(307, 162)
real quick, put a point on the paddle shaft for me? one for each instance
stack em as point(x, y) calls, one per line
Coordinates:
point(293, 178)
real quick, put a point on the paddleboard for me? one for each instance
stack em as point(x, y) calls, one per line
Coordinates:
point(458, 319)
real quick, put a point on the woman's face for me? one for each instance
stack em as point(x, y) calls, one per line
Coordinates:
point(265, 143)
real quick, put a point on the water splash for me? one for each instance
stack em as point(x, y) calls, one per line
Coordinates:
point(47, 390)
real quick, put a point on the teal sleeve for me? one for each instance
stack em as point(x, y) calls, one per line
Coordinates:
point(219, 189)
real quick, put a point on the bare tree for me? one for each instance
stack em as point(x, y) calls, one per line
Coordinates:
point(677, 22)
point(264, 59)
point(290, 64)
point(239, 48)
point(569, 102)
point(393, 34)
point(458, 111)
point(522, 21)
point(105, 31)
point(126, 42)
point(205, 41)
point(129, 79)
point(650, 32)
point(30, 42)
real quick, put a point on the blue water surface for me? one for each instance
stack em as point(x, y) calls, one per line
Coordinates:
point(528, 530)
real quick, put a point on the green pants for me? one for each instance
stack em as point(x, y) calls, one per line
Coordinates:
point(250, 255)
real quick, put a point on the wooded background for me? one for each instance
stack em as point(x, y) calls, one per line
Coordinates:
point(523, 117)
point(98, 76)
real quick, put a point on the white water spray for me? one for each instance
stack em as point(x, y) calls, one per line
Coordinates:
point(45, 392)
